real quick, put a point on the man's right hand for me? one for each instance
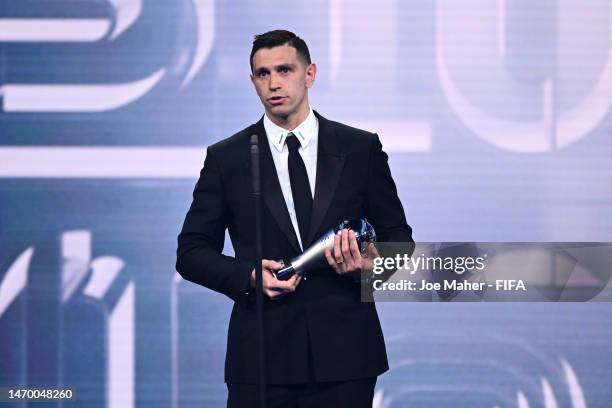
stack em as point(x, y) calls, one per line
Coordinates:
point(272, 287)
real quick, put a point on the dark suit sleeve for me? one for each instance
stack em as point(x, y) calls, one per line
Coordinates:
point(198, 257)
point(384, 208)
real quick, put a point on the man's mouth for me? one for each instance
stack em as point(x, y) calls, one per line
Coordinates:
point(275, 100)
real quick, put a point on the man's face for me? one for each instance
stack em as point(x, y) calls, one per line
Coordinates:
point(282, 80)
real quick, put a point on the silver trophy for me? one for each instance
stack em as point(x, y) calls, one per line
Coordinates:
point(314, 256)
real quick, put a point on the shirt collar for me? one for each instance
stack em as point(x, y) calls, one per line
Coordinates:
point(304, 131)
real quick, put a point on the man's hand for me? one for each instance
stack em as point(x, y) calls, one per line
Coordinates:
point(347, 258)
point(272, 287)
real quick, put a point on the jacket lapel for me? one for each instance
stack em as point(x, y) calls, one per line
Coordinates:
point(330, 161)
point(270, 187)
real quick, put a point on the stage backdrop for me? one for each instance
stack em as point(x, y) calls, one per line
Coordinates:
point(496, 117)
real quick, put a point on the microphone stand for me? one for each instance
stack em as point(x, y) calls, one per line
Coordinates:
point(258, 273)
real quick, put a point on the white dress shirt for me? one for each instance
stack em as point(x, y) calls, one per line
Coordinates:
point(307, 133)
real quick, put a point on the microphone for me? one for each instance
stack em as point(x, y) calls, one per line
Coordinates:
point(314, 256)
point(255, 164)
point(261, 380)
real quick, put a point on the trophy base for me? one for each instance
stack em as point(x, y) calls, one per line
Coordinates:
point(285, 272)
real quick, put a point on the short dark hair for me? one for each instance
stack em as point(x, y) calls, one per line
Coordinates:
point(276, 38)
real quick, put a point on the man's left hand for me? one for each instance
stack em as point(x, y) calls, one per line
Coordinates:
point(347, 258)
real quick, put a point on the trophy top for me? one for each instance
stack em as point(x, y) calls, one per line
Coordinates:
point(363, 229)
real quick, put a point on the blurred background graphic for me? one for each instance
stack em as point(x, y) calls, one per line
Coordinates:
point(496, 117)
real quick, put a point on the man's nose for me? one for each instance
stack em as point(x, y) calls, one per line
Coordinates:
point(274, 82)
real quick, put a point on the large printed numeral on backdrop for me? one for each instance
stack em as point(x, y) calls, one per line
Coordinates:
point(52, 97)
point(354, 56)
point(13, 316)
point(533, 113)
point(98, 343)
point(196, 342)
point(524, 376)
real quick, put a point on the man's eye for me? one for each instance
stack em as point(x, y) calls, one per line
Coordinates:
point(284, 70)
point(262, 74)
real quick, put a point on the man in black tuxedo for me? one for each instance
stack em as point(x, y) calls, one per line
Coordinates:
point(324, 346)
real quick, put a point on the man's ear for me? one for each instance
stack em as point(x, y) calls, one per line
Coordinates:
point(311, 73)
point(252, 79)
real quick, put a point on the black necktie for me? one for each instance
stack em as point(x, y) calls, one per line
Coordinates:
point(300, 187)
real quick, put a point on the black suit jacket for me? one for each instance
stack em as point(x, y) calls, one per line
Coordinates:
point(322, 328)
